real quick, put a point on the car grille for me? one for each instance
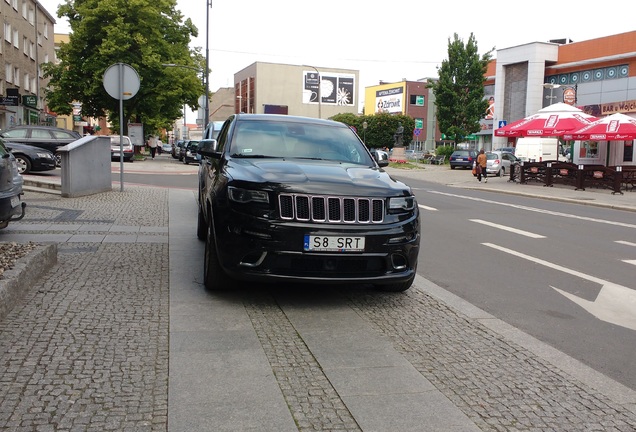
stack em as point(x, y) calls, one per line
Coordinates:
point(330, 209)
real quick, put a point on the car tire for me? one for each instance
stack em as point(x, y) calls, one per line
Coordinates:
point(214, 278)
point(502, 172)
point(24, 164)
point(201, 225)
point(452, 166)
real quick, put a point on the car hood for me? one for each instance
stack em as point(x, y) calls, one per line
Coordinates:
point(317, 177)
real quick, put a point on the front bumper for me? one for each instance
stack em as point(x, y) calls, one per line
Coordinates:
point(257, 249)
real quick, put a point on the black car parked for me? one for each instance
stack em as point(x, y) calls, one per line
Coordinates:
point(189, 152)
point(294, 199)
point(30, 158)
point(46, 137)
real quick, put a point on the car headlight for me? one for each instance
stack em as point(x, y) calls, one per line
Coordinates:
point(247, 195)
point(45, 155)
point(398, 204)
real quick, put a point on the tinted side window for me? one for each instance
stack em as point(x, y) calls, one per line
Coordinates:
point(40, 133)
point(222, 138)
point(15, 133)
point(63, 135)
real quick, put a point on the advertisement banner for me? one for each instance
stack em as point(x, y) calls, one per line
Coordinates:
point(389, 100)
point(335, 88)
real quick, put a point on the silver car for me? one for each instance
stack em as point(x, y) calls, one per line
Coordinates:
point(498, 162)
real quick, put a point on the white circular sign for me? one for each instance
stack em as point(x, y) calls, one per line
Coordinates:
point(121, 81)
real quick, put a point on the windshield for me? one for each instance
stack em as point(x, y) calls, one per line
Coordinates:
point(299, 141)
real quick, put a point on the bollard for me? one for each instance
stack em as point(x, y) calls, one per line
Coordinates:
point(618, 179)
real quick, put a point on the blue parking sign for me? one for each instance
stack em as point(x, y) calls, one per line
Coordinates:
point(502, 123)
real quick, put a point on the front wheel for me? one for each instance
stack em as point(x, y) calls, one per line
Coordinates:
point(214, 278)
point(201, 225)
point(24, 164)
point(502, 172)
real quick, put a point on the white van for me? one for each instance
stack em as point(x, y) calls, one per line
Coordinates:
point(539, 149)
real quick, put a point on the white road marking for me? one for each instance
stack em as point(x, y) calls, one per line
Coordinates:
point(507, 228)
point(626, 243)
point(615, 304)
point(537, 210)
point(633, 262)
point(426, 207)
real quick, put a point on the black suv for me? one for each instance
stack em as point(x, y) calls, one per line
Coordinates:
point(294, 199)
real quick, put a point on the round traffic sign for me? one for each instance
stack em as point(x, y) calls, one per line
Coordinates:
point(121, 81)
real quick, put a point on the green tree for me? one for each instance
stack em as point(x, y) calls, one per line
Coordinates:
point(459, 92)
point(145, 34)
point(380, 127)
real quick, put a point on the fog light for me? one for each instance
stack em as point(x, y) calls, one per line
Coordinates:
point(398, 262)
point(254, 259)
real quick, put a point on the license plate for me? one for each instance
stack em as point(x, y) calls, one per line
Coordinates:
point(115, 154)
point(333, 244)
point(15, 201)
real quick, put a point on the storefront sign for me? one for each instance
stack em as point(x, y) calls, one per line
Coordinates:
point(30, 100)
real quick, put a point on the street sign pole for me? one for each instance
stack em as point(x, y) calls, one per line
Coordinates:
point(121, 82)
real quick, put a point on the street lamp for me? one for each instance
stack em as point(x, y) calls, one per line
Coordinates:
point(206, 109)
point(551, 87)
point(365, 125)
point(319, 95)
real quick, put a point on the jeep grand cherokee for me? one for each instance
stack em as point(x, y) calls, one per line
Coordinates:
point(296, 199)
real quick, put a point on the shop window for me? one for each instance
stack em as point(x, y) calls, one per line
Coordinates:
point(589, 149)
point(628, 151)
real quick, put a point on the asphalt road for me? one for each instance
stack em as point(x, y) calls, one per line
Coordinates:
point(549, 268)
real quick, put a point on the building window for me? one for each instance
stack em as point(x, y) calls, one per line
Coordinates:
point(14, 4)
point(8, 72)
point(46, 30)
point(417, 100)
point(16, 77)
point(16, 39)
point(27, 82)
point(25, 46)
point(31, 16)
point(7, 32)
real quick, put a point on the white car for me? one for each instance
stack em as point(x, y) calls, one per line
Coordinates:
point(498, 162)
point(116, 147)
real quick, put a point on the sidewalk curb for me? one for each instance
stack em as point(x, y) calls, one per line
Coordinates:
point(17, 281)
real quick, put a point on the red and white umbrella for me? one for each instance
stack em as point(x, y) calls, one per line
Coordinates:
point(615, 127)
point(554, 120)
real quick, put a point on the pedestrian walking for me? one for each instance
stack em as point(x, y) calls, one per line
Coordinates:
point(152, 143)
point(481, 166)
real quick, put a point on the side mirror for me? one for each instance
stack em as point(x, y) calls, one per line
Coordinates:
point(207, 147)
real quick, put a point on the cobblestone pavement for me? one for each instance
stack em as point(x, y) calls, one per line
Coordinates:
point(499, 385)
point(88, 348)
point(312, 400)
